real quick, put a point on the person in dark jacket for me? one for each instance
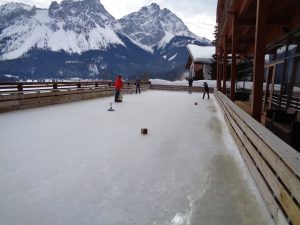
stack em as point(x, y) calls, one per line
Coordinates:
point(190, 80)
point(118, 88)
point(138, 86)
point(206, 90)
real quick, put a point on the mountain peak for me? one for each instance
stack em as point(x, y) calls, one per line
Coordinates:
point(154, 5)
point(151, 9)
point(88, 14)
point(163, 26)
point(13, 7)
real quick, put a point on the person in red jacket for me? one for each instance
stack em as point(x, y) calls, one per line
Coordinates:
point(118, 88)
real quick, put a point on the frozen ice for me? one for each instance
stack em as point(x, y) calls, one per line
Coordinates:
point(79, 164)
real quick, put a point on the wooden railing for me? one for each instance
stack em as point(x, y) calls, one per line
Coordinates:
point(282, 102)
point(274, 165)
point(177, 88)
point(24, 95)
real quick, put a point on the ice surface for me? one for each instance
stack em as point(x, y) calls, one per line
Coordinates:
point(78, 164)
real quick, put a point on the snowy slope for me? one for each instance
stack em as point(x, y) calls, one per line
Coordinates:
point(72, 26)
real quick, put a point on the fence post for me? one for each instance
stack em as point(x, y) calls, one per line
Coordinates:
point(20, 87)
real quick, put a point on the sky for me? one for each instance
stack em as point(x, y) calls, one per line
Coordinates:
point(198, 15)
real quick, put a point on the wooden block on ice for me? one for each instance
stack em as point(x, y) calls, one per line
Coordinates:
point(144, 131)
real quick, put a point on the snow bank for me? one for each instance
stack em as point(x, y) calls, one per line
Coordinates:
point(212, 84)
point(197, 83)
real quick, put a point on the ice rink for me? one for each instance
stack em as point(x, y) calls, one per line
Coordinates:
point(79, 164)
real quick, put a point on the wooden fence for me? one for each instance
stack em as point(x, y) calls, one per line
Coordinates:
point(25, 95)
point(274, 165)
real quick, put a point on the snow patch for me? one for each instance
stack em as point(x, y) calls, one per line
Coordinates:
point(145, 47)
point(165, 40)
point(173, 57)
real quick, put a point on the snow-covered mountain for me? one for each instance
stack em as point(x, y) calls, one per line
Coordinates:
point(161, 32)
point(153, 27)
point(73, 26)
point(80, 38)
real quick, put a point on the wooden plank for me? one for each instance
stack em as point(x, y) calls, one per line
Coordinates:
point(264, 190)
point(287, 176)
point(9, 104)
point(282, 195)
point(9, 97)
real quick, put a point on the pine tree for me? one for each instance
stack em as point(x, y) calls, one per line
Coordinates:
point(213, 65)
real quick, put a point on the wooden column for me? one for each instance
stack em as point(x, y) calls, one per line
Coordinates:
point(219, 70)
point(259, 59)
point(233, 62)
point(269, 79)
point(272, 86)
point(224, 66)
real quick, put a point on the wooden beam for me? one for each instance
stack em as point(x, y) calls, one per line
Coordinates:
point(233, 61)
point(246, 41)
point(272, 86)
point(271, 21)
point(225, 66)
point(259, 59)
point(269, 79)
point(245, 6)
point(219, 69)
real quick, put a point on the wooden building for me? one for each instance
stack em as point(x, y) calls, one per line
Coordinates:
point(268, 32)
point(199, 61)
point(256, 28)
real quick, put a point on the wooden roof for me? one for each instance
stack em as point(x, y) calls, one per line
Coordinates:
point(283, 17)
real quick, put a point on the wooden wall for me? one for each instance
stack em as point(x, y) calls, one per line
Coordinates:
point(274, 165)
